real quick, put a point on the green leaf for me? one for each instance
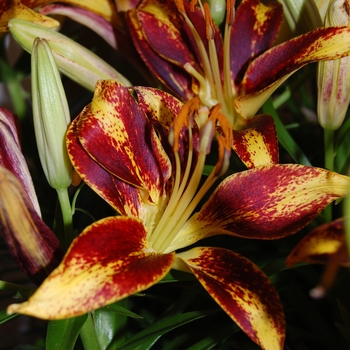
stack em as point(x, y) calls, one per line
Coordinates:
point(284, 137)
point(62, 334)
point(161, 327)
point(23, 291)
point(4, 317)
point(120, 310)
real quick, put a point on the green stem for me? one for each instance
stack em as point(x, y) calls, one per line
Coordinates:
point(66, 210)
point(88, 335)
point(329, 164)
point(347, 221)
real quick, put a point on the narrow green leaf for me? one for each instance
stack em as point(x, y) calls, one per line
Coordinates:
point(120, 310)
point(284, 137)
point(23, 291)
point(161, 327)
point(63, 334)
point(4, 317)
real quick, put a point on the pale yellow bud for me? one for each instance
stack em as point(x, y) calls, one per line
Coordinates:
point(334, 76)
point(73, 60)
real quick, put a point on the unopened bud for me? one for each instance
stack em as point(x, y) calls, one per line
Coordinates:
point(334, 76)
point(51, 116)
point(73, 60)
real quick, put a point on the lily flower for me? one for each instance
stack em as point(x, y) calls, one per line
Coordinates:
point(144, 152)
point(239, 71)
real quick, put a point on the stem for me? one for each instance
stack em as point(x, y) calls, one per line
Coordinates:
point(329, 164)
point(347, 221)
point(88, 335)
point(66, 215)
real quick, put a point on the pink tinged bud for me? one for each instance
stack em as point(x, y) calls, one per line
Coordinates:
point(11, 156)
point(334, 76)
point(30, 241)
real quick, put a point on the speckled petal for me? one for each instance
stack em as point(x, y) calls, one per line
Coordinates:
point(32, 244)
point(257, 143)
point(18, 9)
point(170, 74)
point(320, 245)
point(116, 132)
point(242, 290)
point(103, 8)
point(267, 72)
point(253, 31)
point(108, 261)
point(267, 202)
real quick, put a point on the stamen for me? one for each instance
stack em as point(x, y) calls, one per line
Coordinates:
point(204, 90)
point(183, 119)
point(210, 88)
point(210, 31)
point(229, 88)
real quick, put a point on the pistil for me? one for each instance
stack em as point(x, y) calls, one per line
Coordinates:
point(186, 196)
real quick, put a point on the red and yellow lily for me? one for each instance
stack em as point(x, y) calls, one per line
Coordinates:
point(143, 151)
point(239, 71)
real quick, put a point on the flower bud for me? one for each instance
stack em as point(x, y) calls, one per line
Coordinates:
point(11, 156)
point(334, 76)
point(300, 16)
point(30, 241)
point(51, 116)
point(73, 60)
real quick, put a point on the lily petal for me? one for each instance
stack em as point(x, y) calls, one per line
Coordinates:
point(242, 290)
point(16, 9)
point(115, 131)
point(11, 156)
point(320, 245)
point(173, 76)
point(267, 202)
point(272, 68)
point(85, 17)
point(103, 8)
point(122, 197)
point(110, 260)
point(253, 31)
point(257, 143)
point(30, 241)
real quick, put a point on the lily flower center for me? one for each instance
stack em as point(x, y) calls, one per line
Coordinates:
point(215, 82)
point(186, 194)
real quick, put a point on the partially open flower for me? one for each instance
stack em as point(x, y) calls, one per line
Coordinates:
point(334, 76)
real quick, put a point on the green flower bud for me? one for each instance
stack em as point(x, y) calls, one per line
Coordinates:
point(334, 76)
point(51, 116)
point(73, 60)
point(217, 10)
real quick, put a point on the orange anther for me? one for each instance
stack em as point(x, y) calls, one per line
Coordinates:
point(183, 119)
